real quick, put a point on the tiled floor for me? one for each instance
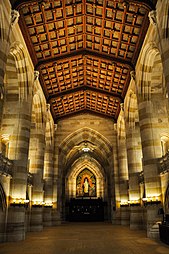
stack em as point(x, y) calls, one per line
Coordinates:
point(86, 238)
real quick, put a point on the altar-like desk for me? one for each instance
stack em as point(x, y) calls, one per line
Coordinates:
point(164, 233)
point(86, 210)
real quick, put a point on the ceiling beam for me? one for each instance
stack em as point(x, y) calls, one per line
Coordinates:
point(85, 52)
point(150, 4)
point(84, 111)
point(86, 88)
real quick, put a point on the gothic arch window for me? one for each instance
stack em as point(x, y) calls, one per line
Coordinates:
point(86, 184)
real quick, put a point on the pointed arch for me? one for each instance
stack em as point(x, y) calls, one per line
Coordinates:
point(151, 73)
point(18, 72)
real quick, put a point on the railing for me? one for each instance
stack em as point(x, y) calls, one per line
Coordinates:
point(6, 166)
point(163, 163)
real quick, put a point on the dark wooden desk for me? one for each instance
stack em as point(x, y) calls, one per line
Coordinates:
point(85, 210)
point(164, 233)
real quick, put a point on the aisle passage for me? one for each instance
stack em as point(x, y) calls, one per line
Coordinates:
point(86, 238)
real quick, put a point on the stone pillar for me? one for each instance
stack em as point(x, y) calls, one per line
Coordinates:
point(115, 197)
point(134, 156)
point(56, 214)
point(5, 31)
point(4, 210)
point(48, 174)
point(36, 167)
point(151, 151)
point(18, 152)
point(123, 170)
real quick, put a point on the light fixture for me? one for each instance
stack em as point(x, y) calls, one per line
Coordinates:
point(153, 200)
point(48, 204)
point(85, 149)
point(37, 203)
point(19, 202)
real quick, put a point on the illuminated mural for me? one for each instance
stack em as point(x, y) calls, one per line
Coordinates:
point(86, 184)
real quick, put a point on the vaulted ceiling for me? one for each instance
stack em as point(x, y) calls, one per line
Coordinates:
point(84, 50)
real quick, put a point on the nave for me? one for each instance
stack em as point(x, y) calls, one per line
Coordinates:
point(82, 238)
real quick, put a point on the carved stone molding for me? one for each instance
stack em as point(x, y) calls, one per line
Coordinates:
point(36, 75)
point(14, 17)
point(153, 17)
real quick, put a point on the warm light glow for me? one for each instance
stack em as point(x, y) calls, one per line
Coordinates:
point(124, 202)
point(85, 149)
point(38, 202)
point(5, 138)
point(18, 201)
point(151, 199)
point(48, 204)
point(134, 201)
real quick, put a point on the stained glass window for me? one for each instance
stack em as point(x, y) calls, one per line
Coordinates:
point(86, 184)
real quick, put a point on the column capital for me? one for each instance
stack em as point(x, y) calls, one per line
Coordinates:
point(122, 106)
point(5, 138)
point(55, 127)
point(14, 17)
point(153, 17)
point(36, 75)
point(47, 106)
point(133, 75)
point(115, 126)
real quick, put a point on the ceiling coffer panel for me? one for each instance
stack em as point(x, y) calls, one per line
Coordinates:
point(84, 50)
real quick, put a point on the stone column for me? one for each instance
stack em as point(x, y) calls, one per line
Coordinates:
point(123, 170)
point(36, 167)
point(11, 19)
point(134, 156)
point(151, 147)
point(48, 176)
point(115, 200)
point(56, 216)
point(18, 152)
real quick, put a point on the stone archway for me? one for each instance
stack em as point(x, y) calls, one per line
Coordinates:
point(85, 147)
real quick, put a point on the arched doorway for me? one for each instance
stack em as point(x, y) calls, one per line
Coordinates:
point(84, 150)
point(87, 205)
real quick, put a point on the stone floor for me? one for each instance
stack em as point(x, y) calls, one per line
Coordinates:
point(86, 238)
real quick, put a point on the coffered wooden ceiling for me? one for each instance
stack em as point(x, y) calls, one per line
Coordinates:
point(84, 50)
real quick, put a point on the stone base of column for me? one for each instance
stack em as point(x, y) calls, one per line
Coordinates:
point(125, 215)
point(136, 217)
point(2, 227)
point(36, 223)
point(47, 217)
point(56, 219)
point(152, 222)
point(15, 230)
point(116, 219)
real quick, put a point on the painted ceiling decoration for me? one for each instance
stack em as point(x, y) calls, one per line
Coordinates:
point(84, 50)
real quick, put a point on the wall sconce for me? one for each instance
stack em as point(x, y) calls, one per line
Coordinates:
point(48, 204)
point(37, 203)
point(19, 202)
point(124, 204)
point(134, 202)
point(154, 200)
